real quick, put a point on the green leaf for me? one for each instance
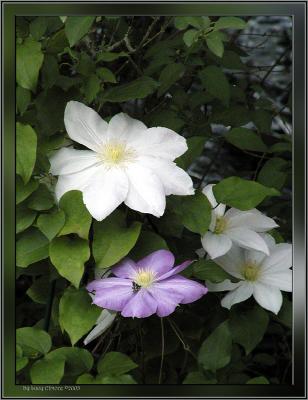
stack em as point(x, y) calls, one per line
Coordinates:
point(21, 361)
point(248, 327)
point(285, 314)
point(115, 363)
point(47, 372)
point(215, 351)
point(50, 71)
point(77, 27)
point(197, 378)
point(208, 270)
point(88, 379)
point(77, 314)
point(215, 44)
point(39, 290)
point(245, 139)
point(113, 239)
point(31, 247)
point(108, 56)
point(241, 193)
point(167, 118)
point(259, 380)
point(33, 341)
point(24, 218)
point(106, 75)
point(169, 75)
point(91, 87)
point(232, 60)
point(234, 116)
point(29, 59)
point(50, 224)
point(230, 22)
point(117, 380)
point(41, 199)
point(147, 243)
point(23, 99)
point(195, 147)
point(137, 89)
point(264, 359)
point(262, 120)
point(273, 173)
point(216, 83)
point(86, 65)
point(38, 27)
point(24, 191)
point(68, 256)
point(26, 142)
point(190, 37)
point(57, 43)
point(77, 361)
point(197, 22)
point(281, 147)
point(77, 217)
point(194, 211)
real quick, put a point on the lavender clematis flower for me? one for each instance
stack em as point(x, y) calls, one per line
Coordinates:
point(147, 287)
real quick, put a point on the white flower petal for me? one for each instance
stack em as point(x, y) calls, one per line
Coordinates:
point(282, 279)
point(159, 142)
point(84, 125)
point(69, 161)
point(146, 193)
point(268, 297)
point(105, 191)
point(279, 259)
point(103, 322)
point(247, 239)
point(257, 257)
point(77, 181)
point(222, 286)
point(174, 179)
point(241, 293)
point(233, 261)
point(251, 219)
point(216, 245)
point(208, 192)
point(123, 127)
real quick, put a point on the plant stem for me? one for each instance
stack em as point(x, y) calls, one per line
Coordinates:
point(162, 350)
point(49, 305)
point(176, 330)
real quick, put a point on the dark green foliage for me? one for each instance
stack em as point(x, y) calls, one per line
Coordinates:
point(197, 76)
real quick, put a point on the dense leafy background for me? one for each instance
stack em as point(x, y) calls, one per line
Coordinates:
point(224, 84)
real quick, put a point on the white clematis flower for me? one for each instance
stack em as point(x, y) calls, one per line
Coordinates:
point(260, 276)
point(126, 162)
point(239, 227)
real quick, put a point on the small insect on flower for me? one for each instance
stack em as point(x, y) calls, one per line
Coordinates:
point(125, 162)
point(152, 285)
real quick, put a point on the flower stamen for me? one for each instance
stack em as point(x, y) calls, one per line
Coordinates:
point(144, 278)
point(114, 153)
point(251, 272)
point(220, 226)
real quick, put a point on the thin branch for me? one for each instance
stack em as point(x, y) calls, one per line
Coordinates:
point(162, 350)
point(273, 66)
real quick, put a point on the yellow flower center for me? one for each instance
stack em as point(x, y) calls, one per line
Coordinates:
point(250, 272)
point(115, 153)
point(220, 225)
point(144, 278)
